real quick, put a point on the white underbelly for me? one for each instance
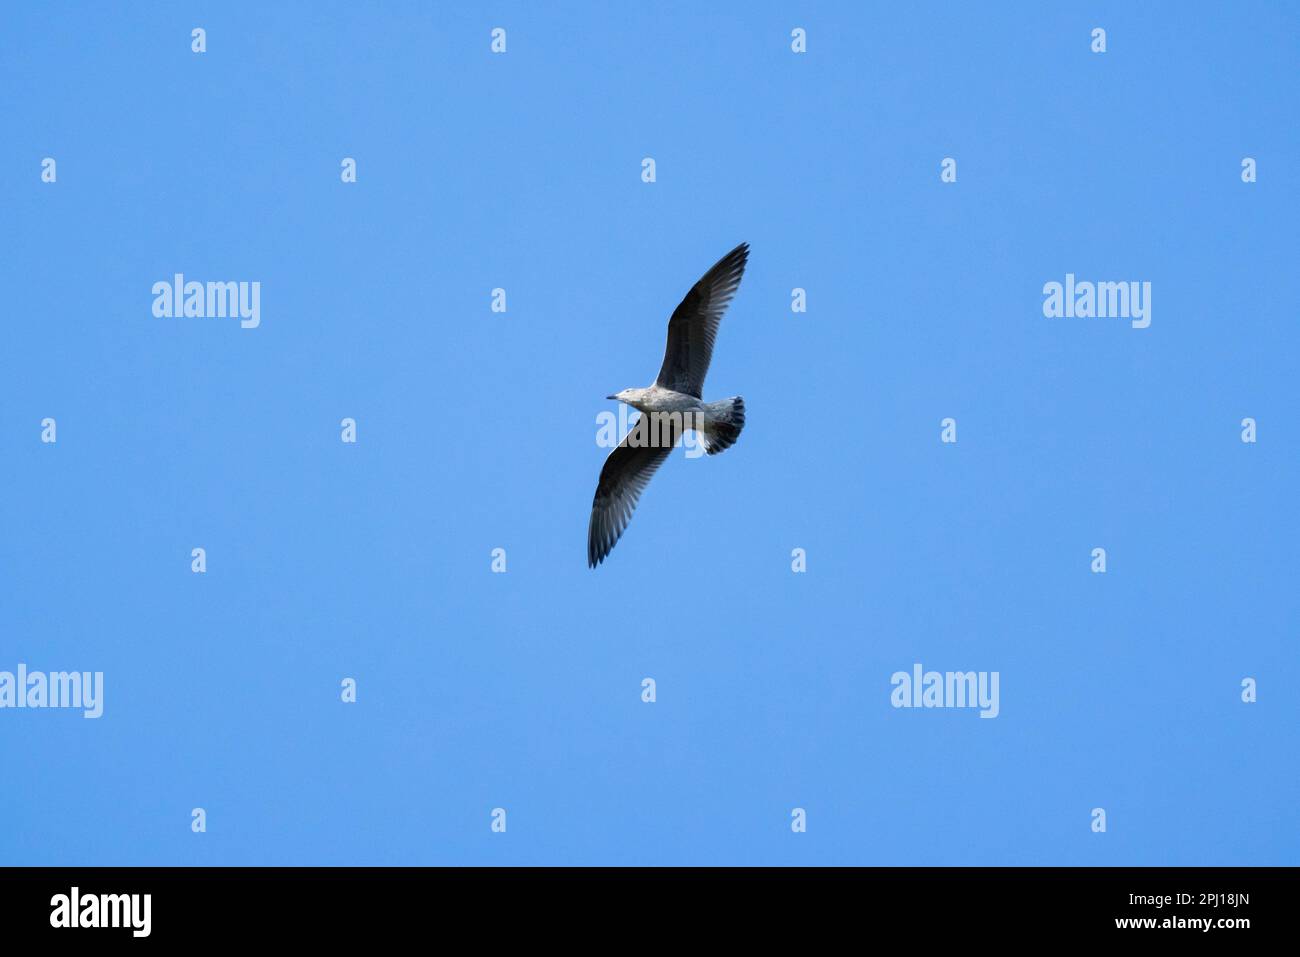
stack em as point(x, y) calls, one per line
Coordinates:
point(665, 400)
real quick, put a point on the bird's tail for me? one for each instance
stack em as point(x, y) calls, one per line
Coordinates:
point(722, 424)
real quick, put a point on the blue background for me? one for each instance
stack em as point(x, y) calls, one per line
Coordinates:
point(477, 430)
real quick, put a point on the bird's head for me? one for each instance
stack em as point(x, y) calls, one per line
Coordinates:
point(627, 395)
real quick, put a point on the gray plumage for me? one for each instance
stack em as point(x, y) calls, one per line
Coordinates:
point(670, 406)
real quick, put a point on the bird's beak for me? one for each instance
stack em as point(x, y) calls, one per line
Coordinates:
point(611, 397)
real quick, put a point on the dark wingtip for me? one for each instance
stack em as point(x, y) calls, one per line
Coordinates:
point(733, 262)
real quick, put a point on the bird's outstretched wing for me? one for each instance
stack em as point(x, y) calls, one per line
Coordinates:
point(694, 324)
point(626, 473)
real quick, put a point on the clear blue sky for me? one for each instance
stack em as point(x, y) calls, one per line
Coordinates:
point(477, 430)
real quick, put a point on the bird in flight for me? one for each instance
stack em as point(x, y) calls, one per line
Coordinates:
point(670, 406)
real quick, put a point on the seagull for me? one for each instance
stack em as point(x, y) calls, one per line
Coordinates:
point(670, 406)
